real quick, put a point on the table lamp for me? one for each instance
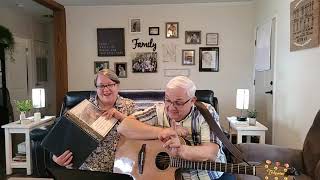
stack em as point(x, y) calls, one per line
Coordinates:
point(242, 102)
point(38, 101)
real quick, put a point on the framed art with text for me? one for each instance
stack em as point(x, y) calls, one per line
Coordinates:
point(304, 24)
point(209, 59)
point(111, 42)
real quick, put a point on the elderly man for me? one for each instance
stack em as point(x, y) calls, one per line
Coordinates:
point(178, 116)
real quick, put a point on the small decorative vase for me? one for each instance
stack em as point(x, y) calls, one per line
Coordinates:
point(252, 121)
point(22, 115)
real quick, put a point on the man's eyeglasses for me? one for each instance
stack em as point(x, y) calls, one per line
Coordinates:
point(175, 103)
point(102, 86)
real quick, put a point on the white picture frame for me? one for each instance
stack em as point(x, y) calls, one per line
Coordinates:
point(135, 25)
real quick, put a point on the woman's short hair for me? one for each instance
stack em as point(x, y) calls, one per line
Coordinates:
point(185, 83)
point(109, 74)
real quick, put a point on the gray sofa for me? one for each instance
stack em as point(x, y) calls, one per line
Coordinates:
point(306, 160)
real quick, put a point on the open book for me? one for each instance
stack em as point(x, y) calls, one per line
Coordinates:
point(89, 118)
point(80, 130)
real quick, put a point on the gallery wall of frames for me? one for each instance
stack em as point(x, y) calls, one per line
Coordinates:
point(111, 42)
point(206, 42)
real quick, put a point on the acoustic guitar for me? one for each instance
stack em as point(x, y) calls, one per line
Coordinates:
point(147, 159)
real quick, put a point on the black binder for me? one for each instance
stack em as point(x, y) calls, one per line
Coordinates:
point(79, 130)
point(66, 135)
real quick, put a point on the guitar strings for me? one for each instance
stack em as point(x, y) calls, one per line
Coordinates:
point(168, 159)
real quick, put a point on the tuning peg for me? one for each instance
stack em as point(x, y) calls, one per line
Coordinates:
point(266, 177)
point(276, 178)
point(277, 164)
point(268, 162)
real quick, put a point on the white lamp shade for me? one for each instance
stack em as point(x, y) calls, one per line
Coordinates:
point(38, 98)
point(242, 98)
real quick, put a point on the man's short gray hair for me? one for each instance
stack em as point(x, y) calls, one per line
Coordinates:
point(185, 83)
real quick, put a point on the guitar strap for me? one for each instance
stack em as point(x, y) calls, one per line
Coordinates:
point(214, 127)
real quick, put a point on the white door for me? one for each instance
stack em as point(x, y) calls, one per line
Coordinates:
point(17, 73)
point(264, 90)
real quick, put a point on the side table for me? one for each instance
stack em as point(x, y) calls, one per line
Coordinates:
point(17, 127)
point(243, 128)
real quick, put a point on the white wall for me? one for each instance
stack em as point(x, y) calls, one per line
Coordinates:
point(23, 25)
point(234, 23)
point(297, 79)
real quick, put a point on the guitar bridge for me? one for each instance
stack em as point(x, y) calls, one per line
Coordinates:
point(141, 158)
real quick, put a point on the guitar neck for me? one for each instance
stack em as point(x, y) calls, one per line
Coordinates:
point(212, 166)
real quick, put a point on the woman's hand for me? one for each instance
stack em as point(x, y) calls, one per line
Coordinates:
point(114, 113)
point(64, 159)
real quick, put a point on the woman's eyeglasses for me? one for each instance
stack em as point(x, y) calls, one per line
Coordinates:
point(102, 86)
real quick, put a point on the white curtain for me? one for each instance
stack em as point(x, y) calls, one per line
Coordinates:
point(262, 51)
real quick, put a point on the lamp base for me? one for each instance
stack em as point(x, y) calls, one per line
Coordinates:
point(241, 118)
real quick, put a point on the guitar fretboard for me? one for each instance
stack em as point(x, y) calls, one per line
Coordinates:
point(212, 166)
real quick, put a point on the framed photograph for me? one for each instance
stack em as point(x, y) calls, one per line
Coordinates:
point(212, 39)
point(209, 59)
point(98, 65)
point(172, 30)
point(145, 62)
point(188, 56)
point(120, 68)
point(135, 25)
point(193, 37)
point(111, 42)
point(154, 30)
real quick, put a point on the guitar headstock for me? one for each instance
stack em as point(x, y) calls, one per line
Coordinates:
point(273, 171)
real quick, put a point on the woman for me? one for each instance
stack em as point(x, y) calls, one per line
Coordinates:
point(113, 105)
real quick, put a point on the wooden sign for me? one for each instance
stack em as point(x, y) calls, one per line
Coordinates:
point(304, 24)
point(110, 42)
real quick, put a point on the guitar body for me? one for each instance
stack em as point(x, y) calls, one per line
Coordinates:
point(127, 160)
point(147, 159)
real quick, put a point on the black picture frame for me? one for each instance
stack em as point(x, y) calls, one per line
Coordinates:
point(192, 37)
point(209, 59)
point(153, 31)
point(145, 62)
point(120, 68)
point(111, 42)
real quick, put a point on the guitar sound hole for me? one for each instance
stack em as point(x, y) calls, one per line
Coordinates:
point(162, 161)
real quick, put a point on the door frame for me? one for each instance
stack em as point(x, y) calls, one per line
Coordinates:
point(275, 55)
point(60, 49)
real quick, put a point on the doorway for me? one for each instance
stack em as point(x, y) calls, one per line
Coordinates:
point(264, 91)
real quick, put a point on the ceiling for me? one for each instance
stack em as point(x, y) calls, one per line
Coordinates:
point(28, 7)
point(136, 2)
point(37, 11)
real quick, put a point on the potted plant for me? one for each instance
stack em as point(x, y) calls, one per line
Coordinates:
point(7, 40)
point(23, 106)
point(252, 115)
